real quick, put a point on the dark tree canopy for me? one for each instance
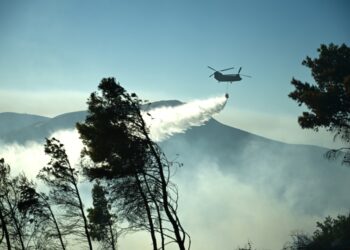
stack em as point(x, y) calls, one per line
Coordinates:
point(111, 132)
point(328, 100)
point(331, 234)
point(101, 220)
point(24, 219)
point(99, 216)
point(62, 179)
point(36, 206)
point(135, 169)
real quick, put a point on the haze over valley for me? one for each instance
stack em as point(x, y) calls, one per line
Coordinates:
point(241, 186)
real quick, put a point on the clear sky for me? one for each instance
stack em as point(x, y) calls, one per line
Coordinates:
point(54, 53)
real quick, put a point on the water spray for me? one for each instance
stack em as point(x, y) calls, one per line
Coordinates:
point(166, 121)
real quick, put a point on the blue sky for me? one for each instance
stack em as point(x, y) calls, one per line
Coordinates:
point(161, 49)
point(53, 54)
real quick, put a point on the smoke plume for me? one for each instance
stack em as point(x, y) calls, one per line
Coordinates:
point(225, 199)
point(164, 122)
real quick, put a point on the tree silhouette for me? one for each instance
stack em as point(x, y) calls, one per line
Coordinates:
point(135, 169)
point(328, 100)
point(37, 205)
point(23, 219)
point(331, 234)
point(248, 246)
point(102, 222)
point(21, 229)
point(62, 179)
point(4, 230)
point(4, 180)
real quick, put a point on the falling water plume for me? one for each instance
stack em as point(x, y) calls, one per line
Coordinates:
point(166, 121)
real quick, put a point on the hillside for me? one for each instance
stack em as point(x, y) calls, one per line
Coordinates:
point(10, 122)
point(284, 170)
point(299, 175)
point(39, 130)
point(232, 182)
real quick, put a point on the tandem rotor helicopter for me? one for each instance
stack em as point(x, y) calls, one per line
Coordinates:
point(229, 78)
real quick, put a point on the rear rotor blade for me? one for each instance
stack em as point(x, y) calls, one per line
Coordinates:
point(240, 68)
point(226, 69)
point(212, 68)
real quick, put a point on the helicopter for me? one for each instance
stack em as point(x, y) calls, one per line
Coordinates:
point(227, 77)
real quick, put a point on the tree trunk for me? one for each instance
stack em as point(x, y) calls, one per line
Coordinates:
point(18, 229)
point(166, 205)
point(4, 229)
point(158, 213)
point(149, 215)
point(114, 243)
point(56, 226)
point(81, 206)
point(84, 217)
point(169, 214)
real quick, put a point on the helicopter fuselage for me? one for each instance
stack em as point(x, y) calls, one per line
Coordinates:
point(227, 77)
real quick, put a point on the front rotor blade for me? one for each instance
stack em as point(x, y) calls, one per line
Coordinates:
point(227, 69)
point(212, 68)
point(246, 76)
point(211, 75)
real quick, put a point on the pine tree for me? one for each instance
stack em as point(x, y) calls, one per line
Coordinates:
point(101, 221)
point(62, 180)
point(328, 100)
point(137, 172)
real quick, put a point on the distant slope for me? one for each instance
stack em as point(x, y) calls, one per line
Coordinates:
point(297, 174)
point(22, 127)
point(10, 122)
point(296, 181)
point(225, 141)
point(39, 131)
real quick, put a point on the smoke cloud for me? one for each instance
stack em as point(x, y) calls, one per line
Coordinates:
point(222, 203)
point(219, 210)
point(29, 158)
point(164, 122)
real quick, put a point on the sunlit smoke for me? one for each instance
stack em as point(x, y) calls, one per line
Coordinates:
point(164, 122)
point(223, 204)
point(29, 158)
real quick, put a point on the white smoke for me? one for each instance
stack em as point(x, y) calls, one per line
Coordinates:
point(220, 210)
point(164, 122)
point(29, 158)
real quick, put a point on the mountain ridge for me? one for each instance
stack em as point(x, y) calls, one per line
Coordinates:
point(39, 127)
point(68, 120)
point(11, 121)
point(296, 175)
point(236, 174)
